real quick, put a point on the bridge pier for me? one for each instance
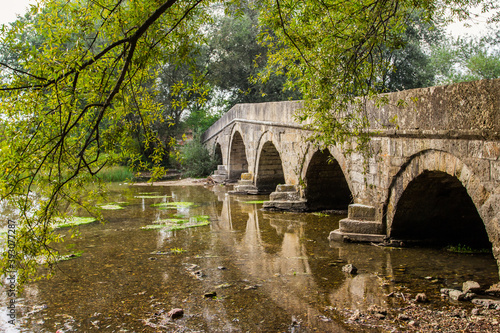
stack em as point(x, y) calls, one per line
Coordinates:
point(286, 197)
point(359, 226)
point(220, 175)
point(245, 185)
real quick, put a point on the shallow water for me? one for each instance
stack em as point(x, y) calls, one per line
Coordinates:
point(271, 272)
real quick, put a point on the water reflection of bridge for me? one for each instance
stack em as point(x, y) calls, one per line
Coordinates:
point(280, 249)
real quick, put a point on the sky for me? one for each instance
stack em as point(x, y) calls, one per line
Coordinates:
point(9, 9)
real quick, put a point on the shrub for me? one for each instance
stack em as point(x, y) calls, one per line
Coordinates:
point(196, 160)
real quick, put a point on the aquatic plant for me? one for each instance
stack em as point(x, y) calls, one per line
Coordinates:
point(152, 196)
point(320, 214)
point(111, 207)
point(255, 202)
point(173, 205)
point(178, 224)
point(465, 249)
point(177, 250)
point(73, 221)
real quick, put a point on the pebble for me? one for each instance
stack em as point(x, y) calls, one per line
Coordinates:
point(421, 298)
point(349, 269)
point(403, 316)
point(176, 313)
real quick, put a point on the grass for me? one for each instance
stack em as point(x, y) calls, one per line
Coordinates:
point(465, 249)
point(116, 174)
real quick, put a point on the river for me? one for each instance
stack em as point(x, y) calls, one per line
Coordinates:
point(247, 271)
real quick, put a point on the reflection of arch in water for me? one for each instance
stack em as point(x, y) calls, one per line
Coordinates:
point(326, 185)
point(434, 202)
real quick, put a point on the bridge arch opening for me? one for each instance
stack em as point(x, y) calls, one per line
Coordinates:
point(270, 170)
point(218, 154)
point(326, 185)
point(238, 163)
point(436, 208)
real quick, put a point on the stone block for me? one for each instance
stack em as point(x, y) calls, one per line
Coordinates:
point(361, 212)
point(285, 188)
point(340, 236)
point(247, 176)
point(284, 196)
point(360, 227)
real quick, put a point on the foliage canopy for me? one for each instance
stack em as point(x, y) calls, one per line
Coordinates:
point(78, 76)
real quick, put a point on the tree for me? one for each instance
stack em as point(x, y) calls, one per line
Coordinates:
point(411, 64)
point(466, 59)
point(333, 52)
point(69, 103)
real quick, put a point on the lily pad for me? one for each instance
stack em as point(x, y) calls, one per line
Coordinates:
point(74, 221)
point(178, 224)
point(152, 196)
point(173, 205)
point(255, 202)
point(111, 207)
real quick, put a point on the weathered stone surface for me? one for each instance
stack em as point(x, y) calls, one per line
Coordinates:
point(361, 212)
point(456, 295)
point(471, 286)
point(487, 303)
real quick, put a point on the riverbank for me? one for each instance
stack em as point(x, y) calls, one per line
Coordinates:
point(176, 182)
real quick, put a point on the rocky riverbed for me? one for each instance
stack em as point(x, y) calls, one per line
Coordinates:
point(477, 313)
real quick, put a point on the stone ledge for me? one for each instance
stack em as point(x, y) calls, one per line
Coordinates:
point(297, 205)
point(339, 236)
point(360, 227)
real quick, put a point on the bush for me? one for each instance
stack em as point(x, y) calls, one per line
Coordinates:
point(196, 160)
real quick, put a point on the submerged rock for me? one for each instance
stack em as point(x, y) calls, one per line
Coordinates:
point(349, 269)
point(176, 313)
point(211, 294)
point(421, 298)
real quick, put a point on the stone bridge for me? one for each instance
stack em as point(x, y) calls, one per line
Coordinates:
point(433, 173)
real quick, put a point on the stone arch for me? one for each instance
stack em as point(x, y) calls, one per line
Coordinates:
point(238, 162)
point(435, 196)
point(269, 168)
point(217, 154)
point(326, 186)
